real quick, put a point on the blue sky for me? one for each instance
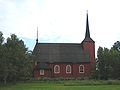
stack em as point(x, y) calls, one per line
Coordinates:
point(61, 21)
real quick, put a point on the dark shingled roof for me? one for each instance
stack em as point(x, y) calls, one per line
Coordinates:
point(42, 66)
point(60, 52)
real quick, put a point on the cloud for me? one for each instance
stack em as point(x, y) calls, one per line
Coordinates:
point(22, 18)
point(61, 20)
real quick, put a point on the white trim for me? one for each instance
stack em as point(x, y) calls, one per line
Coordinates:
point(56, 66)
point(68, 67)
point(42, 72)
point(83, 71)
point(35, 63)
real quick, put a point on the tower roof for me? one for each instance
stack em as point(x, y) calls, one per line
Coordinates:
point(87, 34)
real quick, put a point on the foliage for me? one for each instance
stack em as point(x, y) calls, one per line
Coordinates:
point(15, 60)
point(1, 38)
point(109, 62)
point(116, 46)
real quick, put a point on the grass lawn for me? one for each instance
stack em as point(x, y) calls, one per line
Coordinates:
point(57, 86)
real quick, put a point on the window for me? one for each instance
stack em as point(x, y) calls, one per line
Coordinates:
point(81, 69)
point(56, 69)
point(68, 69)
point(35, 63)
point(41, 72)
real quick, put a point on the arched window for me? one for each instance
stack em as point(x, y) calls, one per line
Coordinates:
point(35, 63)
point(81, 69)
point(68, 69)
point(56, 69)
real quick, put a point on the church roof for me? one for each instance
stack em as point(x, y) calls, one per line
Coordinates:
point(60, 52)
point(63, 52)
point(42, 65)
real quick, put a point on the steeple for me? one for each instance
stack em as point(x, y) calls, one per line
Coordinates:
point(87, 34)
point(37, 36)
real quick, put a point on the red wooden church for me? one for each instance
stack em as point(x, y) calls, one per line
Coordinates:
point(64, 60)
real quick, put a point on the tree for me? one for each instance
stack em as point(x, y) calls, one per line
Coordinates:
point(109, 62)
point(103, 62)
point(17, 53)
point(2, 57)
point(116, 46)
point(115, 63)
point(15, 60)
point(100, 62)
point(1, 38)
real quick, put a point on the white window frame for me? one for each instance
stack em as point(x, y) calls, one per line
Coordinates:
point(58, 69)
point(35, 63)
point(42, 72)
point(82, 67)
point(68, 66)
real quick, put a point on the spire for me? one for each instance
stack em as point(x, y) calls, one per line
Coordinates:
point(37, 36)
point(87, 35)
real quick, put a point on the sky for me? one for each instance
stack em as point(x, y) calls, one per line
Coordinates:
point(61, 21)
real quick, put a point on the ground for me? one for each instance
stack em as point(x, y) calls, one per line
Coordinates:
point(67, 85)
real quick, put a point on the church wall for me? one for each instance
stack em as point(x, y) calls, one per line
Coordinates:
point(74, 73)
point(76, 70)
point(36, 74)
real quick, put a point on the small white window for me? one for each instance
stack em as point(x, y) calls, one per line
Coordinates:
point(41, 72)
point(68, 69)
point(56, 69)
point(35, 63)
point(81, 69)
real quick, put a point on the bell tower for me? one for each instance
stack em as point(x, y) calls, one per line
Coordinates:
point(88, 43)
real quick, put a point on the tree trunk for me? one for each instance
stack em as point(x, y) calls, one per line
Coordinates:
point(5, 80)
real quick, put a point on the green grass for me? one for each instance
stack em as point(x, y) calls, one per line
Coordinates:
point(63, 85)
